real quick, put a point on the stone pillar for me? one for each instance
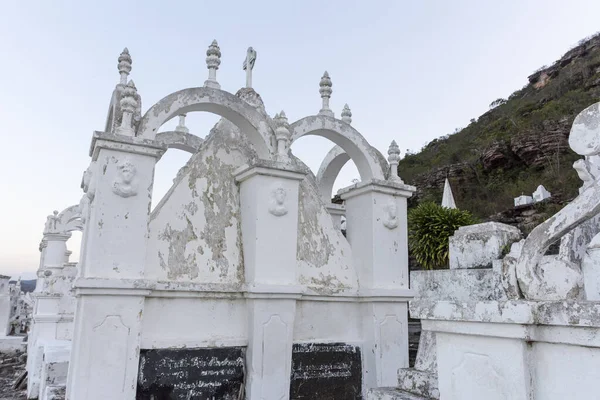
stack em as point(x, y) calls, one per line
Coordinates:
point(106, 335)
point(269, 219)
point(337, 211)
point(46, 306)
point(376, 218)
point(4, 305)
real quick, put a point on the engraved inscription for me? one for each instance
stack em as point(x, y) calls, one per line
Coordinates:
point(329, 371)
point(191, 374)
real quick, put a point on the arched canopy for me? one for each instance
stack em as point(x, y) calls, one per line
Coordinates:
point(370, 163)
point(180, 140)
point(69, 219)
point(330, 169)
point(215, 101)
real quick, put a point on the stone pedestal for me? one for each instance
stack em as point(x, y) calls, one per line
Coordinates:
point(376, 218)
point(269, 221)
point(46, 308)
point(106, 337)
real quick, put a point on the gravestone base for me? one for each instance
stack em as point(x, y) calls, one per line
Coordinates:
point(517, 349)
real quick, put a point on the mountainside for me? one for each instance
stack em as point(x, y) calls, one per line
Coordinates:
point(520, 143)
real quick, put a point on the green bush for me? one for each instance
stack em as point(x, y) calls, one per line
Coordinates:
point(429, 227)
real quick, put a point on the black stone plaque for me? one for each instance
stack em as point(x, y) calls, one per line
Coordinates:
point(326, 371)
point(191, 374)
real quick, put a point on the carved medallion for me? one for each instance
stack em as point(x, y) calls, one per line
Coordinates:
point(277, 206)
point(125, 184)
point(390, 219)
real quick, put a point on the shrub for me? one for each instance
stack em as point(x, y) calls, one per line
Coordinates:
point(429, 227)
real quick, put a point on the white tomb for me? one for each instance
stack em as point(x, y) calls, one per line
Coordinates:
point(541, 194)
point(523, 200)
point(240, 257)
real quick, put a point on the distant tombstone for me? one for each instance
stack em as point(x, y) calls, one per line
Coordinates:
point(541, 194)
point(183, 374)
point(329, 371)
point(523, 200)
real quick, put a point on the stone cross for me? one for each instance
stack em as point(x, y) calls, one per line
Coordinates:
point(249, 65)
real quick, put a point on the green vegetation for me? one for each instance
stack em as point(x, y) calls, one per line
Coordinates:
point(528, 130)
point(429, 227)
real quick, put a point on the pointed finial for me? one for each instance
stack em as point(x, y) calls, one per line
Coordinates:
point(128, 105)
point(394, 159)
point(124, 65)
point(181, 125)
point(213, 60)
point(325, 91)
point(282, 135)
point(347, 114)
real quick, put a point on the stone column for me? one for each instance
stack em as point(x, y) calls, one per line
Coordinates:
point(269, 218)
point(107, 329)
point(376, 218)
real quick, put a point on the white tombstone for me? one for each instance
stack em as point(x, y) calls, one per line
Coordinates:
point(476, 246)
point(541, 194)
point(447, 197)
point(523, 200)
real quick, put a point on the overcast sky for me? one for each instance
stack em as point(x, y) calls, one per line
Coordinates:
point(410, 71)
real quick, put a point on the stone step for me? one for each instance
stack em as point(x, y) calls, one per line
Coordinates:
point(54, 393)
point(392, 394)
point(420, 382)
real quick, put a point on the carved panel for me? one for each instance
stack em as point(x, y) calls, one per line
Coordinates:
point(110, 349)
point(476, 378)
point(274, 356)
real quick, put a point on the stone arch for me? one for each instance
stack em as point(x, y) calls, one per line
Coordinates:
point(180, 140)
point(215, 101)
point(369, 162)
point(69, 219)
point(330, 168)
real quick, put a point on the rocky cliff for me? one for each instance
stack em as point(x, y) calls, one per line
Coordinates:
point(520, 143)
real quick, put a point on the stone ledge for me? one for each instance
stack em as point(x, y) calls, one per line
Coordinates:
point(392, 394)
point(556, 313)
point(418, 382)
point(457, 284)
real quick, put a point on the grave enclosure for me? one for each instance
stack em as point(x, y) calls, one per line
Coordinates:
point(239, 282)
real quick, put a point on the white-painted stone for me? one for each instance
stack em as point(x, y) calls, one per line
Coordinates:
point(241, 251)
point(4, 305)
point(523, 200)
point(541, 194)
point(447, 196)
point(476, 246)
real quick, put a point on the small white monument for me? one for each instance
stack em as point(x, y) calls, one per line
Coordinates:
point(523, 200)
point(447, 197)
point(541, 194)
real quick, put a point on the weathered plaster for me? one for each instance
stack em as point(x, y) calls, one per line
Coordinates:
point(227, 105)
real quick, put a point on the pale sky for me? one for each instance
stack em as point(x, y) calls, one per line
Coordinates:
point(410, 71)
